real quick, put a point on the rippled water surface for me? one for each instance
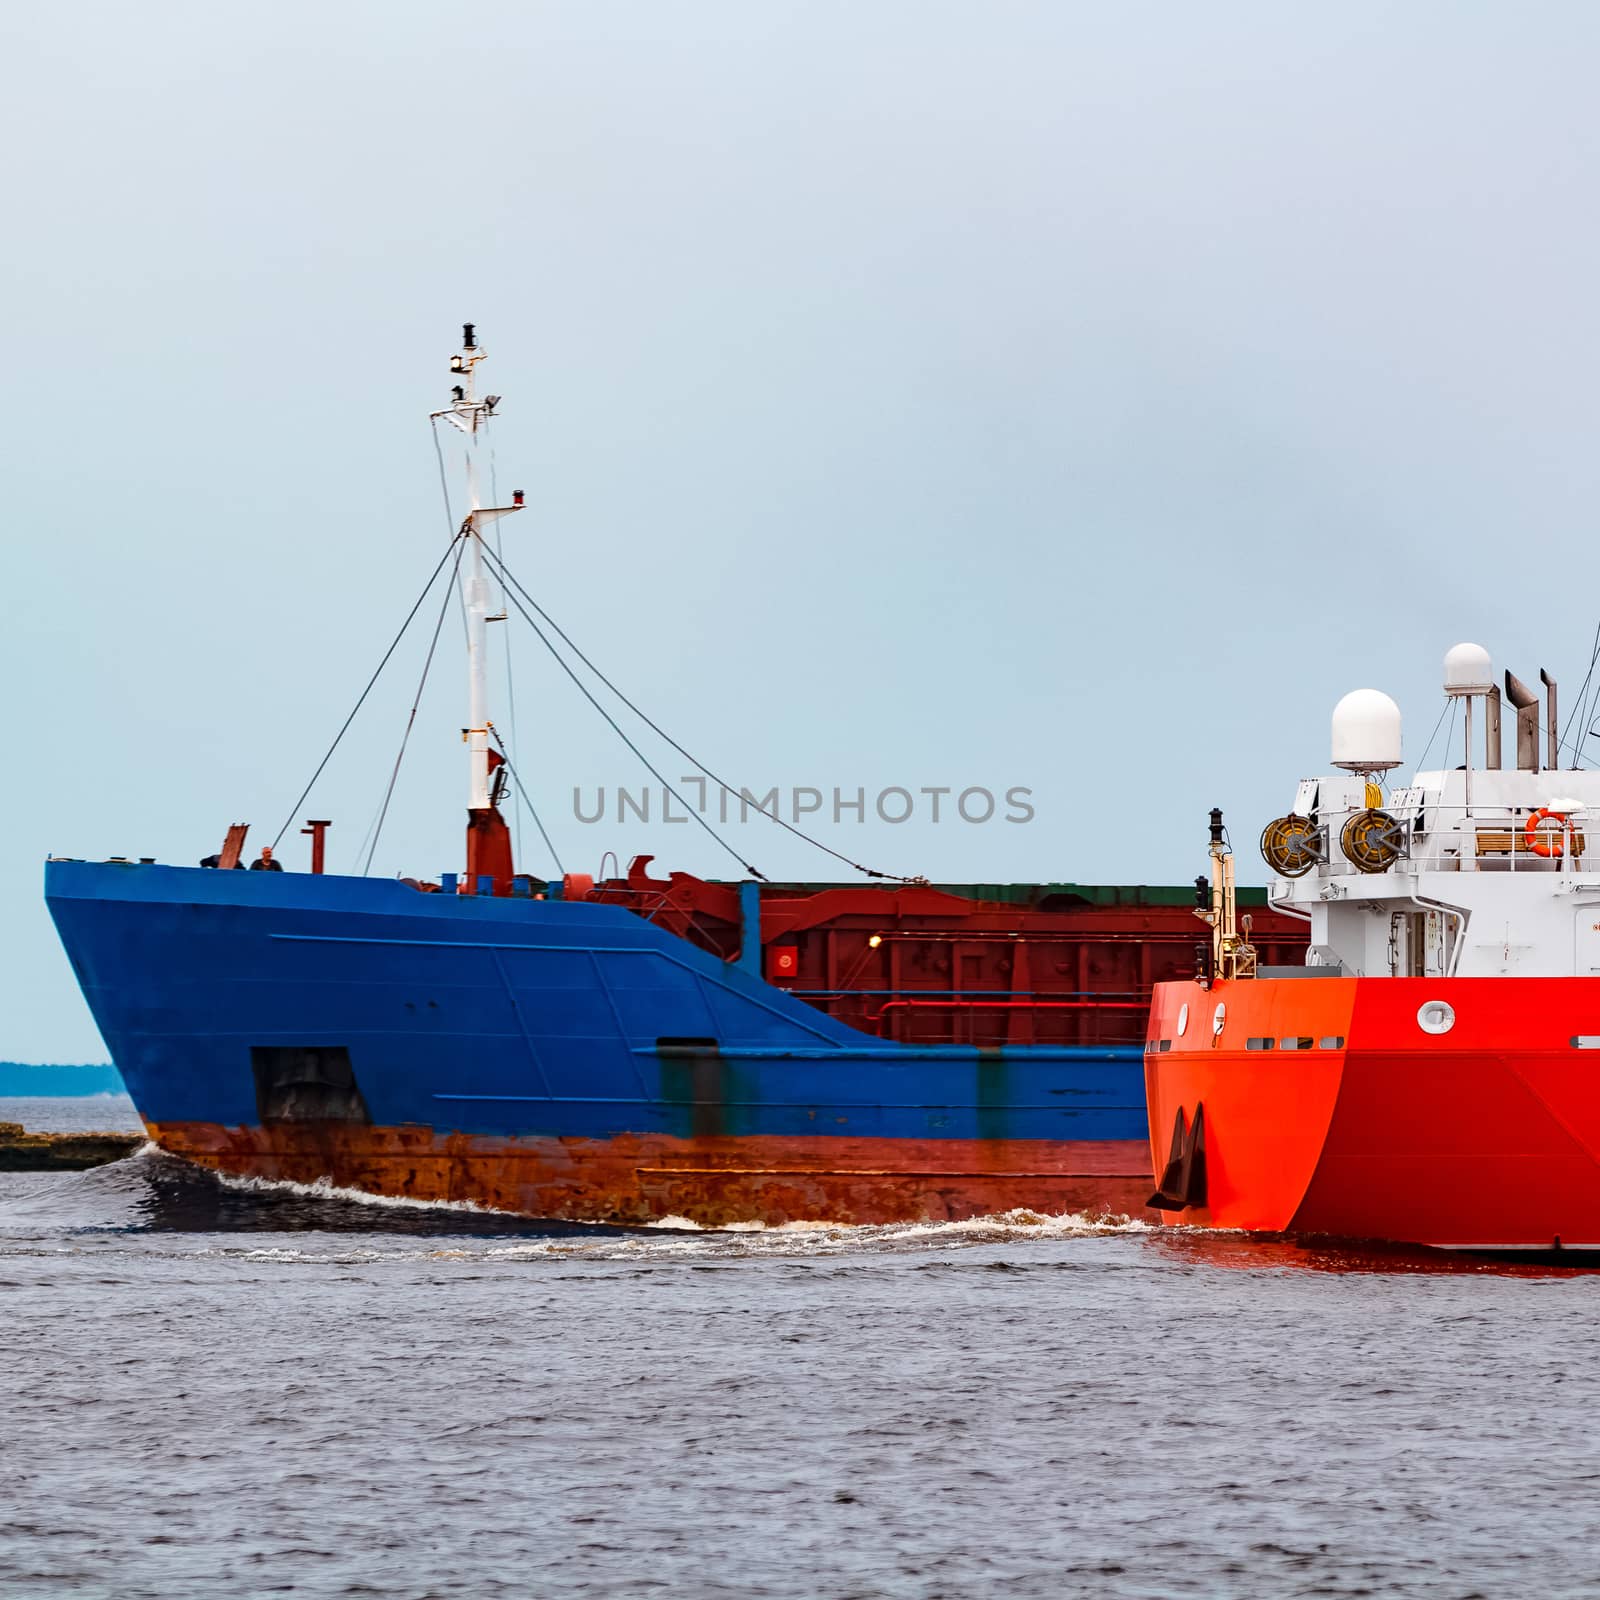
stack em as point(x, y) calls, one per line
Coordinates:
point(98, 1113)
point(216, 1389)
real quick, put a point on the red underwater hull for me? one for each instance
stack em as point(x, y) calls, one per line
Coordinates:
point(711, 1181)
point(1368, 1126)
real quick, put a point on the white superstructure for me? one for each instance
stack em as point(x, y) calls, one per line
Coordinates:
point(1459, 873)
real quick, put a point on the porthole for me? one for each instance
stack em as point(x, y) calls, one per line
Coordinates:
point(1436, 1016)
point(1218, 1017)
point(1183, 1019)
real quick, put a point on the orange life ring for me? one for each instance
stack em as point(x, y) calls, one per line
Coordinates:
point(1539, 842)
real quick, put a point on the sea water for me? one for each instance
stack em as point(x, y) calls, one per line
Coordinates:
point(221, 1388)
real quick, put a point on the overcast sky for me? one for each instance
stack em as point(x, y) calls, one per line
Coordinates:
point(1069, 396)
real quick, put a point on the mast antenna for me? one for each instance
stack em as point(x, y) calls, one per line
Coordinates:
point(488, 841)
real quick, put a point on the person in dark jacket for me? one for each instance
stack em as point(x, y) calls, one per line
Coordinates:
point(264, 862)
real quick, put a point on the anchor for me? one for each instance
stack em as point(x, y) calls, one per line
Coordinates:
point(1183, 1184)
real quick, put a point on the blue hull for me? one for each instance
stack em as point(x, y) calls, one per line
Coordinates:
point(289, 1024)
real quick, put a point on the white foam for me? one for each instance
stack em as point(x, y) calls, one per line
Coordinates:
point(672, 1237)
point(646, 1247)
point(1023, 1223)
point(326, 1189)
point(807, 1238)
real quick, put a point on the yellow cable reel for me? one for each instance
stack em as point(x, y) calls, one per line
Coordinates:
point(1371, 840)
point(1291, 845)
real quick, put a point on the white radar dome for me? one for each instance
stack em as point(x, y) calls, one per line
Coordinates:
point(1467, 670)
point(1366, 732)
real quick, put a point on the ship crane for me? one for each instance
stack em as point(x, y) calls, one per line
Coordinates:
point(488, 838)
point(1231, 955)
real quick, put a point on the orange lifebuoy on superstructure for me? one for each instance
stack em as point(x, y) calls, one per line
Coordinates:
point(1540, 842)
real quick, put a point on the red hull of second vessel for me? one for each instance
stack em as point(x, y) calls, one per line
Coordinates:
point(1367, 1126)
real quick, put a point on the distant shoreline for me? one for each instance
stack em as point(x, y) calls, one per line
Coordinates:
point(21, 1080)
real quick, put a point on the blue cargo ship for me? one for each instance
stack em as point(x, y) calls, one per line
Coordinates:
point(635, 1048)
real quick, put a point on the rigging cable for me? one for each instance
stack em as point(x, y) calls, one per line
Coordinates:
point(616, 728)
point(1444, 711)
point(511, 691)
point(508, 577)
point(1586, 720)
point(361, 700)
point(511, 682)
point(444, 481)
point(361, 849)
point(449, 515)
point(422, 683)
point(494, 733)
point(1593, 708)
point(1583, 689)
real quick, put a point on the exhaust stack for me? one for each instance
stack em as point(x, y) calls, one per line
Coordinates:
point(1526, 704)
point(1552, 732)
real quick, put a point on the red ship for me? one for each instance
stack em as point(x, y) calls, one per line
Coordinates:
point(1426, 1077)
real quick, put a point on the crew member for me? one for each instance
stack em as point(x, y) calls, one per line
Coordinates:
point(265, 863)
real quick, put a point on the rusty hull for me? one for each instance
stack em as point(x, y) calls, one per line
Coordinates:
point(710, 1180)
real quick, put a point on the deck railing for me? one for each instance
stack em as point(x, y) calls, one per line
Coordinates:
point(1481, 838)
point(987, 1018)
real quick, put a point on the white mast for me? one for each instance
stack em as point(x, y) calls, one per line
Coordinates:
point(469, 414)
